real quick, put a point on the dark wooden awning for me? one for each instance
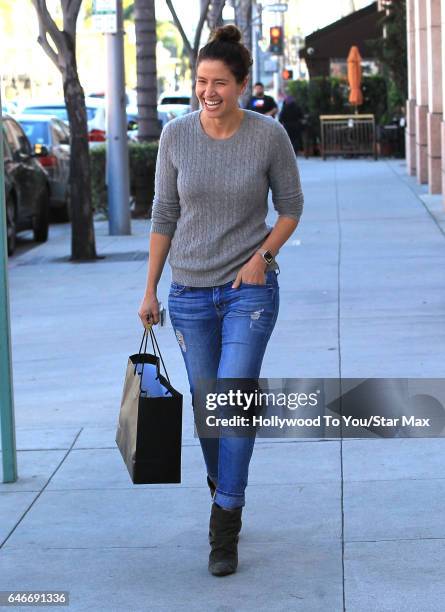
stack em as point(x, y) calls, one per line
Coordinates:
point(336, 39)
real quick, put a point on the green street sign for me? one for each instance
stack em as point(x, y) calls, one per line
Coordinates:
point(104, 16)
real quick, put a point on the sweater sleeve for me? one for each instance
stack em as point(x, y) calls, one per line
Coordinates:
point(166, 209)
point(284, 177)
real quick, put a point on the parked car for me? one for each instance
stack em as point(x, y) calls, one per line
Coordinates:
point(130, 96)
point(172, 104)
point(175, 97)
point(50, 139)
point(27, 186)
point(167, 112)
point(95, 115)
point(131, 109)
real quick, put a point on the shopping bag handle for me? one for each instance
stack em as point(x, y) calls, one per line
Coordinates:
point(157, 352)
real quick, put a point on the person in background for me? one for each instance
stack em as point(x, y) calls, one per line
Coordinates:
point(291, 117)
point(261, 103)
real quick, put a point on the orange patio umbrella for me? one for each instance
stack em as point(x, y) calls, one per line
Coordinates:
point(355, 76)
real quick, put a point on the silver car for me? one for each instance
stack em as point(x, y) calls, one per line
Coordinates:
point(95, 115)
point(50, 139)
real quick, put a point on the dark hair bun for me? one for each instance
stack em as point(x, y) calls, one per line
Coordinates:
point(228, 33)
point(225, 45)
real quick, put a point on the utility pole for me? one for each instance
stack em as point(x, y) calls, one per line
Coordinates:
point(118, 182)
point(7, 422)
point(108, 19)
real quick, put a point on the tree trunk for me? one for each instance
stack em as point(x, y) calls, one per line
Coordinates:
point(214, 18)
point(194, 102)
point(145, 24)
point(63, 54)
point(243, 19)
point(83, 245)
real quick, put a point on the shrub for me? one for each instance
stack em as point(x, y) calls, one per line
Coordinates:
point(98, 186)
point(142, 156)
point(329, 96)
point(375, 98)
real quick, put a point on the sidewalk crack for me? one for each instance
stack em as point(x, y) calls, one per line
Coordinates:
point(43, 489)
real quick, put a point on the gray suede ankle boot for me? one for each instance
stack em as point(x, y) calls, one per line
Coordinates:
point(224, 529)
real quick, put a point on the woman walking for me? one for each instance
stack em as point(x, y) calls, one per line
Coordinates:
point(213, 173)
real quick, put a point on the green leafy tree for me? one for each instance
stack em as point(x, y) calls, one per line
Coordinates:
point(391, 51)
point(168, 34)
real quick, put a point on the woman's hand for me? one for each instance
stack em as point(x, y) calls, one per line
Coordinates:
point(149, 310)
point(252, 273)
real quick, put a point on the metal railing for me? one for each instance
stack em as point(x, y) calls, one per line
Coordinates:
point(348, 135)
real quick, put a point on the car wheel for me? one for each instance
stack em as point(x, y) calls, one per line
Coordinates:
point(11, 227)
point(40, 221)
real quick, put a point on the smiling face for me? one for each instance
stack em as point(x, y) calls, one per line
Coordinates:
point(217, 89)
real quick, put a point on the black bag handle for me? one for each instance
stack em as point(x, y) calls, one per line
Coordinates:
point(144, 337)
point(157, 352)
point(153, 341)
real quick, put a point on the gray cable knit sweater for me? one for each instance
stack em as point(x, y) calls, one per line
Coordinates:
point(211, 195)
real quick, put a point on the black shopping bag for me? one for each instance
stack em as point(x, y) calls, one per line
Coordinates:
point(150, 420)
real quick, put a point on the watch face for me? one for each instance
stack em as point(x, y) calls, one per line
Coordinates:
point(268, 257)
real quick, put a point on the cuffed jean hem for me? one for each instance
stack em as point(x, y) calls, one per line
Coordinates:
point(229, 502)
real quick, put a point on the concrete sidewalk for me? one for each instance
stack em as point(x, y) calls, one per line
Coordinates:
point(329, 525)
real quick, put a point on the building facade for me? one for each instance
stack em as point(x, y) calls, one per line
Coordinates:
point(425, 131)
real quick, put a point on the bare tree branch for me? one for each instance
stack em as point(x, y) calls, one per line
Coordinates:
point(43, 35)
point(70, 9)
point(192, 51)
point(243, 19)
point(178, 24)
point(53, 55)
point(214, 16)
point(218, 16)
point(202, 18)
point(48, 22)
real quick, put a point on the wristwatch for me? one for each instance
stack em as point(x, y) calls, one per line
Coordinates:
point(266, 255)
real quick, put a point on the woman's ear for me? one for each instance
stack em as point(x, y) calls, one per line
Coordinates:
point(244, 85)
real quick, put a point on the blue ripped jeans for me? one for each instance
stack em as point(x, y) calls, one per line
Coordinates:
point(223, 333)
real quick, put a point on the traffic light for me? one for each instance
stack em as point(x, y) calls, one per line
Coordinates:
point(287, 75)
point(276, 45)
